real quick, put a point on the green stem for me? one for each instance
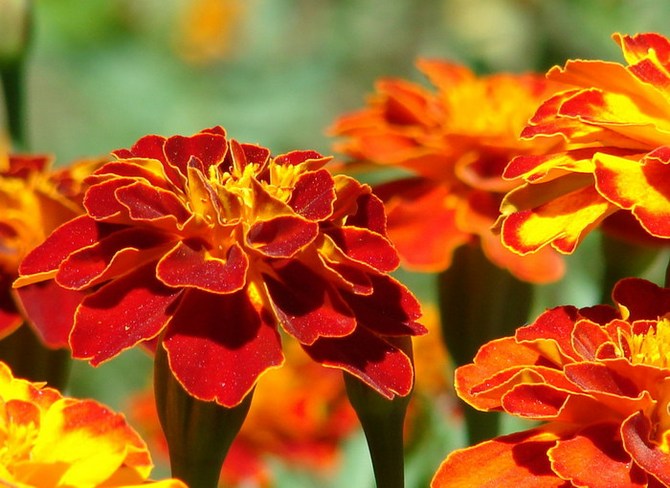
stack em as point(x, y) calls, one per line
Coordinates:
point(12, 75)
point(382, 421)
point(199, 434)
point(28, 358)
point(479, 302)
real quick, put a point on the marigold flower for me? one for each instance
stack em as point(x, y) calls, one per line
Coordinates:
point(207, 245)
point(49, 440)
point(455, 141)
point(300, 414)
point(34, 200)
point(599, 376)
point(616, 120)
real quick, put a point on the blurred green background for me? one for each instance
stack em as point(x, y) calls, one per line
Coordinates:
point(103, 73)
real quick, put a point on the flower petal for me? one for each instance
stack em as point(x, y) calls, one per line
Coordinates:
point(366, 246)
point(128, 310)
point(187, 265)
point(283, 236)
point(207, 147)
point(313, 195)
point(218, 346)
point(636, 435)
point(151, 204)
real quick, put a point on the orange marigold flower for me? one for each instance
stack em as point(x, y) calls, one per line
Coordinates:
point(34, 200)
point(48, 440)
point(599, 376)
point(455, 141)
point(208, 245)
point(616, 120)
point(300, 414)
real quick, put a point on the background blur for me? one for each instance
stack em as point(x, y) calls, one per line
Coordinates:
point(103, 73)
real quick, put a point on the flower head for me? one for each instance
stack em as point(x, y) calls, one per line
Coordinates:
point(455, 142)
point(207, 245)
point(599, 377)
point(48, 440)
point(616, 121)
point(34, 200)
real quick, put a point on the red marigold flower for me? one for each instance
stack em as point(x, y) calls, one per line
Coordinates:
point(49, 440)
point(599, 376)
point(34, 200)
point(208, 245)
point(455, 141)
point(615, 119)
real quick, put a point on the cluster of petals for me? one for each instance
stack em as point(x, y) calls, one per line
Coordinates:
point(615, 119)
point(34, 200)
point(205, 246)
point(600, 379)
point(47, 440)
point(300, 415)
point(452, 144)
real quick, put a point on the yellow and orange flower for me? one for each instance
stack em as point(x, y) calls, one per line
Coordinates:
point(208, 245)
point(299, 414)
point(616, 121)
point(599, 377)
point(455, 142)
point(34, 200)
point(48, 440)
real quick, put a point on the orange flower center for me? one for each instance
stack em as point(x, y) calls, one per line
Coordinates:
point(652, 347)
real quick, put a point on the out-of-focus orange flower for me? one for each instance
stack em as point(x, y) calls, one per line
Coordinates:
point(616, 121)
point(599, 376)
point(455, 143)
point(206, 29)
point(211, 245)
point(48, 440)
point(300, 414)
point(34, 200)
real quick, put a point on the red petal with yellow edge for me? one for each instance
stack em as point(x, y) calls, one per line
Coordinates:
point(369, 214)
point(390, 310)
point(636, 434)
point(641, 299)
point(282, 237)
point(555, 324)
point(366, 246)
point(588, 339)
point(51, 310)
point(594, 457)
point(100, 200)
point(307, 306)
point(563, 222)
point(191, 265)
point(600, 377)
point(536, 401)
point(295, 158)
point(68, 238)
point(513, 460)
point(641, 187)
point(370, 358)
point(90, 440)
point(128, 169)
point(640, 46)
point(112, 255)
point(207, 147)
point(146, 203)
point(126, 311)
point(313, 195)
point(218, 346)
point(150, 146)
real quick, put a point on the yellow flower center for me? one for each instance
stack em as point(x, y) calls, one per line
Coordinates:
point(652, 347)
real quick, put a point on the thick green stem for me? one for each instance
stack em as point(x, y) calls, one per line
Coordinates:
point(28, 358)
point(479, 302)
point(12, 76)
point(382, 421)
point(198, 433)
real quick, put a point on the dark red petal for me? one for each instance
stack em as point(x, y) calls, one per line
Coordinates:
point(112, 255)
point(535, 401)
point(283, 236)
point(128, 169)
point(598, 377)
point(126, 311)
point(66, 239)
point(150, 146)
point(369, 214)
point(595, 457)
point(391, 309)
point(636, 436)
point(366, 246)
point(148, 203)
point(313, 195)
point(207, 147)
point(642, 299)
point(555, 324)
point(293, 158)
point(218, 346)
point(254, 154)
point(189, 265)
point(100, 200)
point(50, 310)
point(306, 305)
point(372, 359)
